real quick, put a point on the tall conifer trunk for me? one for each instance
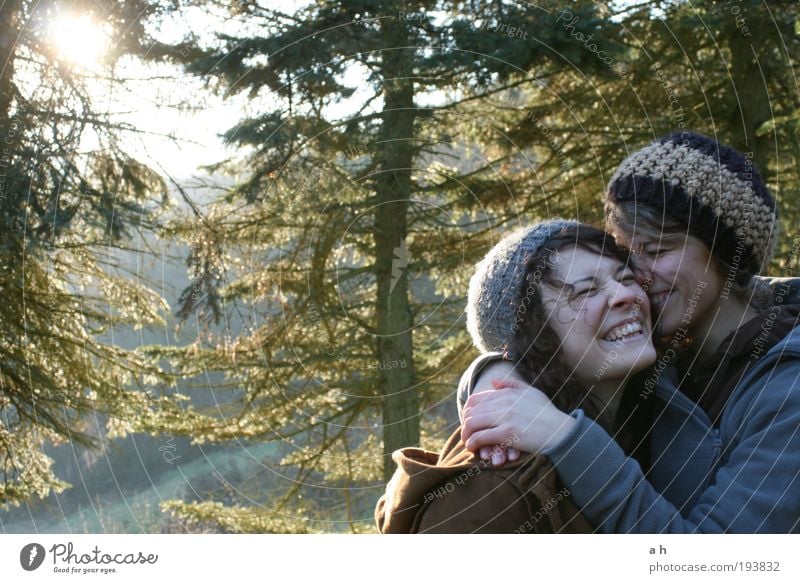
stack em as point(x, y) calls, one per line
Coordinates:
point(9, 14)
point(393, 189)
point(754, 107)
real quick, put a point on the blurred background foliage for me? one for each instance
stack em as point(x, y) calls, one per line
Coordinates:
point(244, 352)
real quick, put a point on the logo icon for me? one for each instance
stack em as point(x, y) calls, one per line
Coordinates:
point(402, 256)
point(31, 556)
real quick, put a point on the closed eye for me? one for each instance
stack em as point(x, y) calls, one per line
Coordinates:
point(589, 291)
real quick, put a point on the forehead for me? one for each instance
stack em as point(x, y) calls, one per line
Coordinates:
point(574, 263)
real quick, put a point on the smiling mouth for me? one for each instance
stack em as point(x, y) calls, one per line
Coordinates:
point(625, 332)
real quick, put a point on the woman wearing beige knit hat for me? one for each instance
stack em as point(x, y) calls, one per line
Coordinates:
point(723, 399)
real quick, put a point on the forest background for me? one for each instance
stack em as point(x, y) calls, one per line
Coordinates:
point(235, 237)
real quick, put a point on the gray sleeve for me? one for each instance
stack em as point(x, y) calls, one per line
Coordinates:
point(470, 376)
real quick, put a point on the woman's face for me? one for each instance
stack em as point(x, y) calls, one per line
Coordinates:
point(600, 314)
point(683, 282)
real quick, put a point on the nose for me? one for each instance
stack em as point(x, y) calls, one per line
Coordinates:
point(624, 296)
point(643, 270)
point(644, 277)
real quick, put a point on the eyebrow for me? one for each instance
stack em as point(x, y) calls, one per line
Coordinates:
point(592, 277)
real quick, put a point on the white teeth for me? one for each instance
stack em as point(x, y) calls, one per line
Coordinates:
point(624, 331)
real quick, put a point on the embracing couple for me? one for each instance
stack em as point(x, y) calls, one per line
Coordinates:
point(642, 379)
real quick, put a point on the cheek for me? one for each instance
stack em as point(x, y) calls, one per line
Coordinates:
point(665, 267)
point(580, 320)
point(575, 349)
point(593, 313)
point(566, 316)
point(713, 278)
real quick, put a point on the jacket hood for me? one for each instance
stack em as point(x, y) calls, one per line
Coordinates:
point(418, 473)
point(457, 492)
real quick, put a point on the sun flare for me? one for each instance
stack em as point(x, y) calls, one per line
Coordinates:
point(79, 39)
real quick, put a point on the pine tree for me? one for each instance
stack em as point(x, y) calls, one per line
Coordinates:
point(726, 69)
point(70, 201)
point(377, 171)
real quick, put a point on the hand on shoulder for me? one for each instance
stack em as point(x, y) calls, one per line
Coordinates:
point(515, 415)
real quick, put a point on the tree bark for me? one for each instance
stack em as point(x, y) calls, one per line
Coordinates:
point(395, 154)
point(9, 15)
point(753, 107)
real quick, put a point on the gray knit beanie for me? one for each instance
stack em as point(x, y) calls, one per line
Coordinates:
point(495, 290)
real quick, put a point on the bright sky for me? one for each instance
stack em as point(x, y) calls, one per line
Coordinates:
point(156, 99)
point(160, 102)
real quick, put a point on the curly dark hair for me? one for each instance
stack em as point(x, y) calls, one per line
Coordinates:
point(538, 349)
point(535, 343)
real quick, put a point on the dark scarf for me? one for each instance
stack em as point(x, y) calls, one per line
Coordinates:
point(710, 382)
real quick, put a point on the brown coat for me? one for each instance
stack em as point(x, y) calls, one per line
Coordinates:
point(455, 492)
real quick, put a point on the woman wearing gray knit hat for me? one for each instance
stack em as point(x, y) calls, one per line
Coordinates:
point(724, 396)
point(562, 298)
point(543, 296)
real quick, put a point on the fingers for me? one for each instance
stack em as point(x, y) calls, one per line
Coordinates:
point(498, 456)
point(494, 397)
point(475, 423)
point(476, 398)
point(486, 437)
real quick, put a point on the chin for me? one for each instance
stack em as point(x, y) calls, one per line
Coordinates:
point(638, 364)
point(667, 325)
point(645, 359)
point(639, 358)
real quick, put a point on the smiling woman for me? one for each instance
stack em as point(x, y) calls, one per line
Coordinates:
point(561, 298)
point(78, 39)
